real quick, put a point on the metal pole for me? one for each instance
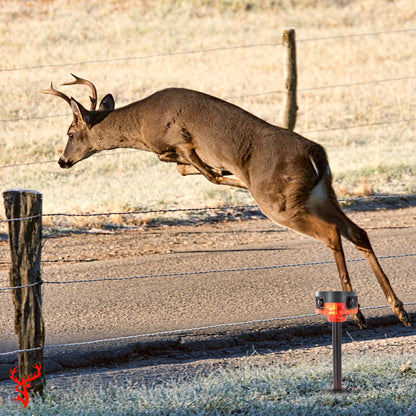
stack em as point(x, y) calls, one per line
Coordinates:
point(336, 357)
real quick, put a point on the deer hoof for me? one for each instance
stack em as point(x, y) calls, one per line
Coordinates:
point(405, 318)
point(360, 320)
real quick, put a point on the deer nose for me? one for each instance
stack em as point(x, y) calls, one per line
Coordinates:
point(64, 164)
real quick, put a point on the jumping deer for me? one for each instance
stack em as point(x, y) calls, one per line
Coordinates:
point(288, 175)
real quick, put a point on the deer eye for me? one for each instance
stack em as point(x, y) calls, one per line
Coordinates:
point(70, 135)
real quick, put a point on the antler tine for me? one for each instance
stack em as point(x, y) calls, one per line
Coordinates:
point(79, 80)
point(53, 91)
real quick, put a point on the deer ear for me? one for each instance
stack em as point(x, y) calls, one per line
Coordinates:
point(107, 103)
point(80, 113)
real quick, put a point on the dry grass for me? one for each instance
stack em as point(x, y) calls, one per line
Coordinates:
point(366, 160)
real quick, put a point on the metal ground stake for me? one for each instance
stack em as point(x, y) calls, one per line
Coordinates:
point(336, 305)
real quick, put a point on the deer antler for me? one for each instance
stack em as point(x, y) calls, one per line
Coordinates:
point(53, 91)
point(79, 80)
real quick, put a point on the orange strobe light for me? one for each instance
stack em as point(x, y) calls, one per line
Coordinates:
point(336, 306)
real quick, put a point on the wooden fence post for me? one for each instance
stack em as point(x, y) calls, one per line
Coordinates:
point(290, 106)
point(25, 245)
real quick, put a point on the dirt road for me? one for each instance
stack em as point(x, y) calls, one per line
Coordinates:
point(79, 312)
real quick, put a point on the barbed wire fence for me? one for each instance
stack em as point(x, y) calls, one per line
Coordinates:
point(209, 50)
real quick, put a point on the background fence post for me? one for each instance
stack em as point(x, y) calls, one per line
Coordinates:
point(290, 106)
point(25, 245)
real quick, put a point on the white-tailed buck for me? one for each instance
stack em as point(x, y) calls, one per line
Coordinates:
point(288, 175)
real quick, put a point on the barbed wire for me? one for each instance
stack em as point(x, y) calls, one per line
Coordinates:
point(199, 209)
point(22, 287)
point(355, 35)
point(379, 123)
point(104, 153)
point(356, 126)
point(205, 50)
point(33, 117)
point(184, 331)
point(357, 84)
point(21, 218)
point(301, 90)
point(202, 272)
point(142, 57)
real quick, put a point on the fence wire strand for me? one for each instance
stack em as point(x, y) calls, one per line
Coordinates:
point(259, 94)
point(203, 272)
point(205, 50)
point(184, 331)
point(175, 210)
point(142, 57)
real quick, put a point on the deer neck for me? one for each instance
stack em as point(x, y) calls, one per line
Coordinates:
point(119, 129)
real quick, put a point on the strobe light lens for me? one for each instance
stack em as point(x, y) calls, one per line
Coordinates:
point(352, 303)
point(320, 303)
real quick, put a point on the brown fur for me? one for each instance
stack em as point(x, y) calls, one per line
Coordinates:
point(287, 174)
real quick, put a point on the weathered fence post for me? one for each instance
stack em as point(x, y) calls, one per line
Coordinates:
point(24, 209)
point(290, 106)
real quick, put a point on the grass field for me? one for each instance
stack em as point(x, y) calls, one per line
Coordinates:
point(131, 49)
point(372, 385)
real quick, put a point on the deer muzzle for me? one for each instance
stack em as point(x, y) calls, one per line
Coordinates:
point(65, 164)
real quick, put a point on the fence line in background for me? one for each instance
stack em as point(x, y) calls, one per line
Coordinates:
point(356, 126)
point(301, 90)
point(207, 50)
point(184, 331)
point(142, 57)
point(44, 162)
point(173, 210)
point(202, 272)
point(357, 35)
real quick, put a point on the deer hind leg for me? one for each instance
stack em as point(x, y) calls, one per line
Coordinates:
point(329, 210)
point(360, 239)
point(306, 223)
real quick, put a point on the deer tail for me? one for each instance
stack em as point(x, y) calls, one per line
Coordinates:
point(319, 161)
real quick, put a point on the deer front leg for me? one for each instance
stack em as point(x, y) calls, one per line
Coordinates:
point(211, 174)
point(198, 167)
point(171, 157)
point(186, 170)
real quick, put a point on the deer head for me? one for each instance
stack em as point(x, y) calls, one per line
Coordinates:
point(81, 143)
